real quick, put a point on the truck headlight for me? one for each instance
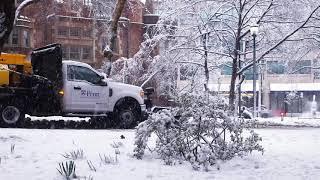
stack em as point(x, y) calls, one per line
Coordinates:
point(142, 94)
point(61, 92)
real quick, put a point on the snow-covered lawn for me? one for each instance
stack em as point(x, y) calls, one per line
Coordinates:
point(289, 154)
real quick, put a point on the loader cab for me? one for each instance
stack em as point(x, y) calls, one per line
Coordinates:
point(13, 69)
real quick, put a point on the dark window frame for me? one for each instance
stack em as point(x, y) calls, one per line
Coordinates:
point(15, 36)
point(63, 29)
point(73, 53)
point(75, 32)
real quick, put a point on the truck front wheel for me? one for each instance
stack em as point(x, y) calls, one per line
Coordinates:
point(126, 114)
point(11, 115)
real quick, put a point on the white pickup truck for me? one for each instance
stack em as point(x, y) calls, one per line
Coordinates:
point(70, 88)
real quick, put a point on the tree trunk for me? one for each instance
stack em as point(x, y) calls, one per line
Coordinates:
point(206, 70)
point(235, 60)
point(7, 14)
point(109, 50)
point(232, 94)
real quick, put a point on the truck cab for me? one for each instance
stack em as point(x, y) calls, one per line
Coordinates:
point(87, 91)
point(70, 88)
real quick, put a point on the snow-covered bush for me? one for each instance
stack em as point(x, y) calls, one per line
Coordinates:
point(199, 131)
point(291, 96)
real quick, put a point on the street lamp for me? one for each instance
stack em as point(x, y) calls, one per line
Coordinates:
point(254, 31)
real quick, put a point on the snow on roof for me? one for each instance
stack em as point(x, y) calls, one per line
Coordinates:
point(76, 63)
point(295, 87)
point(151, 15)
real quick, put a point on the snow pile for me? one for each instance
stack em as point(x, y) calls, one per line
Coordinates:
point(55, 118)
point(199, 131)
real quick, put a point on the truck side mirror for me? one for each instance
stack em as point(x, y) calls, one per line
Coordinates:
point(102, 77)
point(102, 82)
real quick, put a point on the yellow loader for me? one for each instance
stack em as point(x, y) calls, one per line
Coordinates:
point(12, 68)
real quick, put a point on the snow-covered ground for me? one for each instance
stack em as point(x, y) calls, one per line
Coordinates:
point(305, 120)
point(289, 154)
point(302, 121)
point(55, 118)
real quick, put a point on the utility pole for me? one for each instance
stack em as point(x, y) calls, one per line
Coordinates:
point(254, 31)
point(261, 77)
point(254, 76)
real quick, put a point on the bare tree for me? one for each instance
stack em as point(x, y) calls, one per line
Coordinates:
point(227, 25)
point(108, 51)
point(8, 15)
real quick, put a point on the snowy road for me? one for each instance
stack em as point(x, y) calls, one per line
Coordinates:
point(289, 154)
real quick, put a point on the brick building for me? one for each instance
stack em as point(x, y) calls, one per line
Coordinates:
point(82, 33)
point(20, 39)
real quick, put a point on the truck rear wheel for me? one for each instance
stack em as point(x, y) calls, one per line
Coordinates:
point(11, 115)
point(126, 114)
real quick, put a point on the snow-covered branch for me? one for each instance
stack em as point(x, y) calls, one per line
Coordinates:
point(23, 5)
point(281, 41)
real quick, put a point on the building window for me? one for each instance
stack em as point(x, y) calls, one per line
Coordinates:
point(65, 52)
point(15, 37)
point(274, 67)
point(75, 32)
point(86, 52)
point(87, 33)
point(226, 69)
point(62, 31)
point(26, 38)
point(75, 52)
point(302, 67)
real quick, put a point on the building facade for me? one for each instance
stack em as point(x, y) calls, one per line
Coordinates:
point(278, 85)
point(82, 33)
point(20, 39)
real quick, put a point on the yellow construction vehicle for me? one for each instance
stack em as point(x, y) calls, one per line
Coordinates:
point(12, 68)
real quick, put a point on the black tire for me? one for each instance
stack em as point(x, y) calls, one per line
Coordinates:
point(11, 115)
point(126, 114)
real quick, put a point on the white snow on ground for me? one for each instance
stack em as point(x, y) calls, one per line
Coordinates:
point(303, 121)
point(291, 154)
point(51, 118)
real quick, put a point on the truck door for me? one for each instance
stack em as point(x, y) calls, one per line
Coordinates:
point(84, 91)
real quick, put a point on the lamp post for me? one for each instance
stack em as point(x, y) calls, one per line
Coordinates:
point(254, 31)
